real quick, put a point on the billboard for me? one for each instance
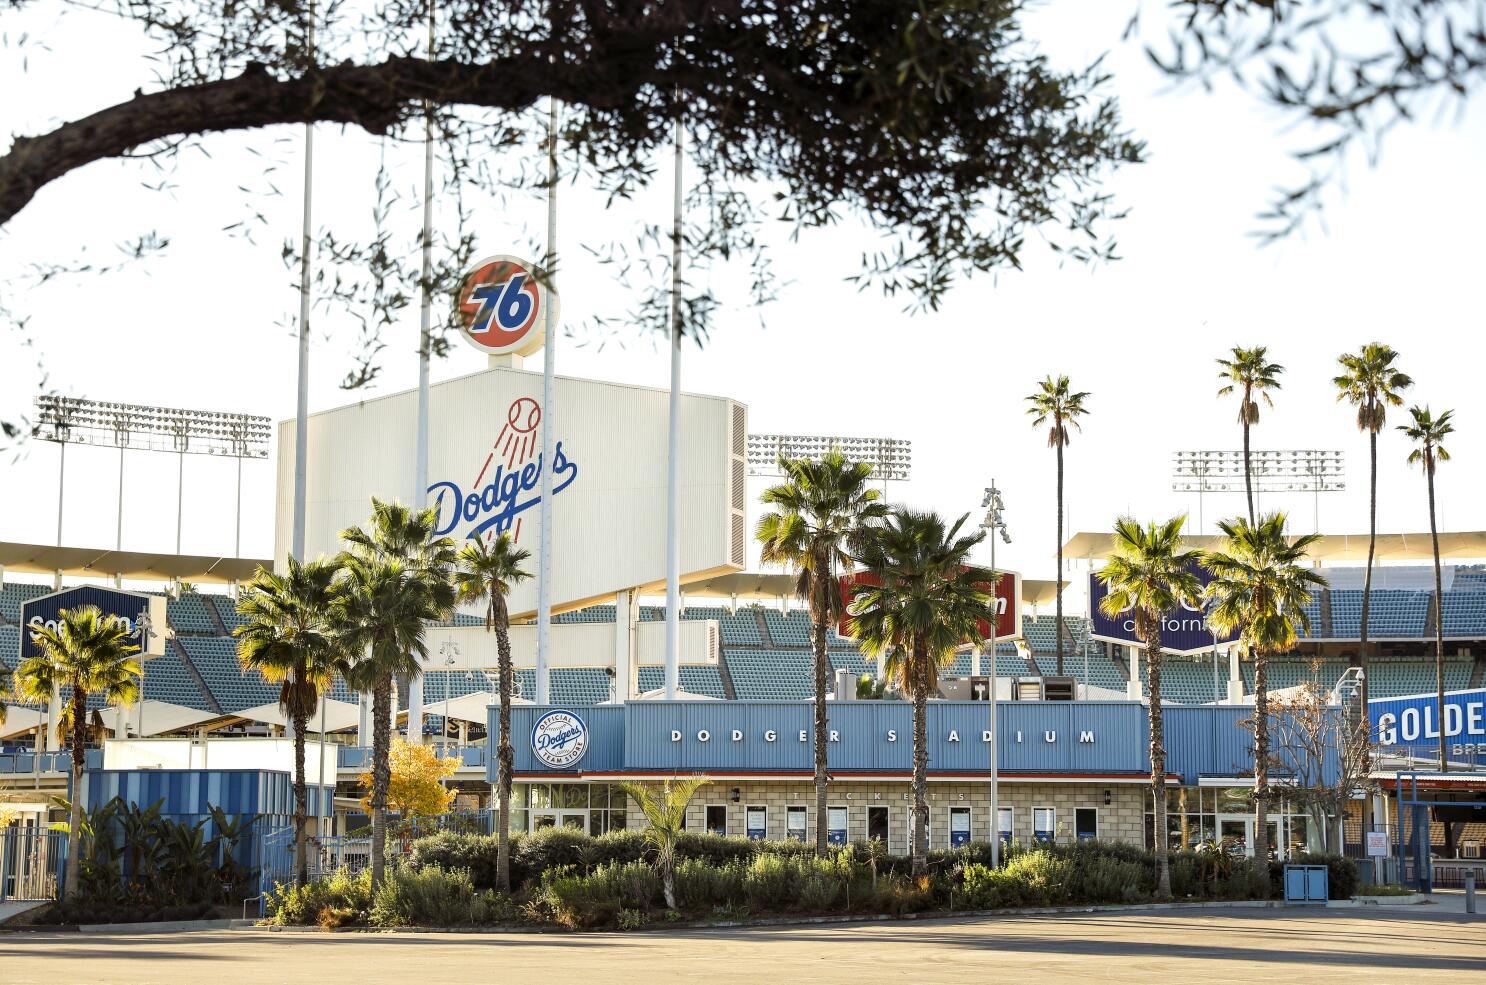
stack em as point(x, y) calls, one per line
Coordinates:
point(1414, 720)
point(485, 476)
point(502, 304)
point(124, 606)
point(1182, 631)
point(1008, 605)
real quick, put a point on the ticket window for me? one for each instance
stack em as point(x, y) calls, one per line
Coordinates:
point(755, 823)
point(1086, 823)
point(717, 819)
point(836, 825)
point(877, 824)
point(1005, 825)
point(959, 826)
point(794, 824)
point(1044, 824)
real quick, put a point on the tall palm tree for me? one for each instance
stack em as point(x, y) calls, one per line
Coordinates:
point(926, 601)
point(486, 572)
point(1148, 574)
point(397, 577)
point(1249, 372)
point(288, 640)
point(1369, 382)
point(820, 512)
point(1055, 405)
point(664, 808)
point(1428, 433)
point(1260, 587)
point(89, 653)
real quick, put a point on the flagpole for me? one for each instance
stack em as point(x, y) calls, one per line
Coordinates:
point(673, 545)
point(302, 403)
point(425, 326)
point(549, 346)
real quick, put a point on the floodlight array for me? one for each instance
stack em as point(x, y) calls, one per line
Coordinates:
point(890, 458)
point(75, 420)
point(1291, 470)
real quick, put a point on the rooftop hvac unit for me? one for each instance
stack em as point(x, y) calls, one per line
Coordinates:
point(1059, 688)
point(1028, 689)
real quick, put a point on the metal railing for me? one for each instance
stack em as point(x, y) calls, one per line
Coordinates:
point(32, 863)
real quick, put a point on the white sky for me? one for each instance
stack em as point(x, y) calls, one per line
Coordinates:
point(199, 326)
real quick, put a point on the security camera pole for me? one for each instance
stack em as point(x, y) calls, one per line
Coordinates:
point(994, 524)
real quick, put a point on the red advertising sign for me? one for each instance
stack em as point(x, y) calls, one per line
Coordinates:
point(1008, 605)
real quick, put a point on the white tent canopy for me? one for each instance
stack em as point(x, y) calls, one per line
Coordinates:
point(339, 716)
point(468, 707)
point(159, 717)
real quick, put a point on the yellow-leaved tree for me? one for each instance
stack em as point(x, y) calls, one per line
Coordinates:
point(417, 788)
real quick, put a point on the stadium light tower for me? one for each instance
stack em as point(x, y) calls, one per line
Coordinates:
point(73, 420)
point(1291, 470)
point(890, 458)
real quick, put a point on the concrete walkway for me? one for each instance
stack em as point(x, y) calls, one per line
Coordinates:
point(1395, 944)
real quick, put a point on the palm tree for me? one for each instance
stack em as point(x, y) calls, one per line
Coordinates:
point(287, 639)
point(1428, 433)
point(396, 579)
point(1054, 405)
point(89, 653)
point(665, 815)
point(1260, 588)
point(821, 509)
point(1369, 382)
point(486, 574)
point(1250, 373)
point(1149, 574)
point(926, 601)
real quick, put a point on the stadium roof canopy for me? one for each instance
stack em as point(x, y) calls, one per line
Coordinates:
point(87, 562)
point(761, 585)
point(1331, 549)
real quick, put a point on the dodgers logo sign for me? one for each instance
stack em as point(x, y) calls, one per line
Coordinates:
point(502, 306)
point(559, 739)
point(509, 481)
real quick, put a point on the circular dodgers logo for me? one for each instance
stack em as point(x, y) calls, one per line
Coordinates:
point(502, 303)
point(559, 739)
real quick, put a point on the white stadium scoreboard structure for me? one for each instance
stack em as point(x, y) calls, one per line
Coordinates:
point(484, 468)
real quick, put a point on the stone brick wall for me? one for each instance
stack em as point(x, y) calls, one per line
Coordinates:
point(1122, 819)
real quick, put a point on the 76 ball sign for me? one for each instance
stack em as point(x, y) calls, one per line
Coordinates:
point(502, 306)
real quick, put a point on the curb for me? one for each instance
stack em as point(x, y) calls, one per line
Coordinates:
point(157, 927)
point(795, 921)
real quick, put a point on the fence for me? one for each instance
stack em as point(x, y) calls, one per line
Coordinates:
point(32, 863)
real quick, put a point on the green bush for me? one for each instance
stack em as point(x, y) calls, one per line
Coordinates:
point(303, 905)
point(432, 897)
point(768, 882)
point(701, 886)
point(475, 854)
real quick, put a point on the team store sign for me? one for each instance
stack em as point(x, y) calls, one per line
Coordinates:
point(1049, 736)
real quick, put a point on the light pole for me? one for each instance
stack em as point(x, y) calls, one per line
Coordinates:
point(142, 628)
point(449, 650)
point(994, 524)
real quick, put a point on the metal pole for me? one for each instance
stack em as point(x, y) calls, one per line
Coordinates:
point(324, 801)
point(119, 537)
point(673, 483)
point(180, 493)
point(1470, 890)
point(237, 544)
point(62, 485)
point(425, 322)
point(549, 439)
point(995, 737)
point(302, 404)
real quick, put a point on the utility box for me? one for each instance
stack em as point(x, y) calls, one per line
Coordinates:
point(1307, 885)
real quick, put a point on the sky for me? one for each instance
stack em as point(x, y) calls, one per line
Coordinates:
point(203, 324)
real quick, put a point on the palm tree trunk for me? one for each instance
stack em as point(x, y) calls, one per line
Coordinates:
point(920, 768)
point(1057, 578)
point(1261, 757)
point(1160, 840)
point(1248, 474)
point(1439, 621)
point(381, 775)
point(818, 614)
point(75, 808)
point(301, 803)
point(668, 884)
point(504, 757)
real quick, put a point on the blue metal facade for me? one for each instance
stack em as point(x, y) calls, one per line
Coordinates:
point(1038, 738)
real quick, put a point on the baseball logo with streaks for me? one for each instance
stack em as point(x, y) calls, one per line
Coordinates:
point(509, 481)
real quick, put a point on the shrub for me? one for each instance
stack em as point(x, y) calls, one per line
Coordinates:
point(768, 882)
point(701, 886)
point(429, 897)
point(596, 899)
point(348, 896)
point(475, 854)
